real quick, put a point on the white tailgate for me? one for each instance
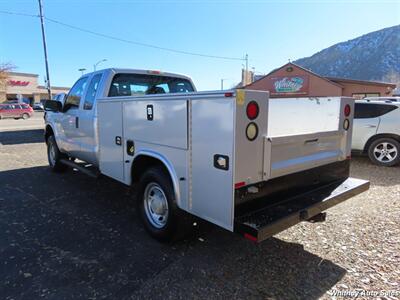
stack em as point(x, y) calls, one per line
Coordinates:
point(286, 155)
point(305, 133)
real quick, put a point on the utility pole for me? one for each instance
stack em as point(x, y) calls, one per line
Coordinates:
point(222, 84)
point(45, 50)
point(247, 63)
point(246, 79)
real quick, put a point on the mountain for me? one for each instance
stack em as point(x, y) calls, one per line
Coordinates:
point(373, 56)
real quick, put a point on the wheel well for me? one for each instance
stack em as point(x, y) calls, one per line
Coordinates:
point(49, 131)
point(379, 136)
point(142, 163)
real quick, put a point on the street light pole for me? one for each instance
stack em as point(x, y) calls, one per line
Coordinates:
point(82, 70)
point(100, 61)
point(45, 50)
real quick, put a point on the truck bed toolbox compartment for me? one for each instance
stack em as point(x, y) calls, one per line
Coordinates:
point(281, 212)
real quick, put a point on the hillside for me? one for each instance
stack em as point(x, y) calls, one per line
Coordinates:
point(373, 56)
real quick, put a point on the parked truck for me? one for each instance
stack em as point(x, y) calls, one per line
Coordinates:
point(236, 158)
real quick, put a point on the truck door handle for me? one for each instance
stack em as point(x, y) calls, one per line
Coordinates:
point(76, 122)
point(311, 141)
point(370, 126)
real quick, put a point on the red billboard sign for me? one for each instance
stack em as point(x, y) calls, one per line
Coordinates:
point(288, 85)
point(18, 83)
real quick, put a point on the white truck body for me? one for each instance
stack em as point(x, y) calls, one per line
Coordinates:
point(301, 147)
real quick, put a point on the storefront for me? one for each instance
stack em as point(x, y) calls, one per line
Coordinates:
point(25, 86)
point(292, 80)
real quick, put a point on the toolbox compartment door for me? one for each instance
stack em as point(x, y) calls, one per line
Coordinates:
point(212, 160)
point(111, 153)
point(280, 212)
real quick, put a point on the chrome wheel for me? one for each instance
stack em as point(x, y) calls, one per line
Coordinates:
point(52, 154)
point(155, 205)
point(385, 152)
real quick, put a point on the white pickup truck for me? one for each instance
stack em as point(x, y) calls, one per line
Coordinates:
point(236, 158)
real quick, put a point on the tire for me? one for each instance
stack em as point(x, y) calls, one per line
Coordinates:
point(161, 216)
point(25, 116)
point(54, 155)
point(384, 152)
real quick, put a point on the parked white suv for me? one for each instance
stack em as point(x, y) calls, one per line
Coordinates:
point(376, 131)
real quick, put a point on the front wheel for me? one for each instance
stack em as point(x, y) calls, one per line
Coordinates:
point(157, 207)
point(54, 155)
point(25, 116)
point(384, 152)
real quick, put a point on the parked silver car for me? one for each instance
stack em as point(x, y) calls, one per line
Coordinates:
point(376, 131)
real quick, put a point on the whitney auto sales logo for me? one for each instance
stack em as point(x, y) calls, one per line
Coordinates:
point(289, 85)
point(18, 83)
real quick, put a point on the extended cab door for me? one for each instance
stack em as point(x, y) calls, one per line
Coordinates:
point(68, 138)
point(88, 121)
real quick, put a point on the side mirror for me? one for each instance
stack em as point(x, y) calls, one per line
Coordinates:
point(61, 98)
point(52, 105)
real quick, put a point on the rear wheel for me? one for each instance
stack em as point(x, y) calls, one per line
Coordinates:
point(384, 152)
point(25, 116)
point(54, 155)
point(157, 207)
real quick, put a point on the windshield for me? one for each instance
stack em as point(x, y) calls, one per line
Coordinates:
point(143, 84)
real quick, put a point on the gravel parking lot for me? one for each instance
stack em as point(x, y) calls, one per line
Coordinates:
point(67, 236)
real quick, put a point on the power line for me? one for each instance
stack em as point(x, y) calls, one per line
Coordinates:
point(18, 14)
point(107, 36)
point(142, 44)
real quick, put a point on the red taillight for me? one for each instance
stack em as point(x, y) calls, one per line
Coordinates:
point(347, 110)
point(228, 94)
point(250, 237)
point(239, 184)
point(252, 110)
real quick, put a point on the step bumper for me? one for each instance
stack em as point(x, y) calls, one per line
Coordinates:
point(273, 218)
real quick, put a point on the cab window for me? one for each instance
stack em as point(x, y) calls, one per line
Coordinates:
point(144, 84)
point(91, 93)
point(75, 94)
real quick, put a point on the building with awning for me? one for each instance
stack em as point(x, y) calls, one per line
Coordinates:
point(291, 80)
point(26, 86)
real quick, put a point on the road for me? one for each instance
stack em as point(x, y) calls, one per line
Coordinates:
point(35, 122)
point(68, 236)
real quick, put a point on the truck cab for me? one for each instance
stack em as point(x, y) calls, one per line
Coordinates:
point(76, 125)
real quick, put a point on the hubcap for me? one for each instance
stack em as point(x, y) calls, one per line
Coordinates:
point(155, 205)
point(52, 154)
point(385, 152)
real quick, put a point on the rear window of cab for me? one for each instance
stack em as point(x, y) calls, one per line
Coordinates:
point(143, 84)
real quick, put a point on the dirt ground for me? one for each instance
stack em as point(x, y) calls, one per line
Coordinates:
point(67, 236)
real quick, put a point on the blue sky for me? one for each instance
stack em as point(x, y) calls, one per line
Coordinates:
point(271, 32)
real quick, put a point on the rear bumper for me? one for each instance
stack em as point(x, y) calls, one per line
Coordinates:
point(275, 217)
